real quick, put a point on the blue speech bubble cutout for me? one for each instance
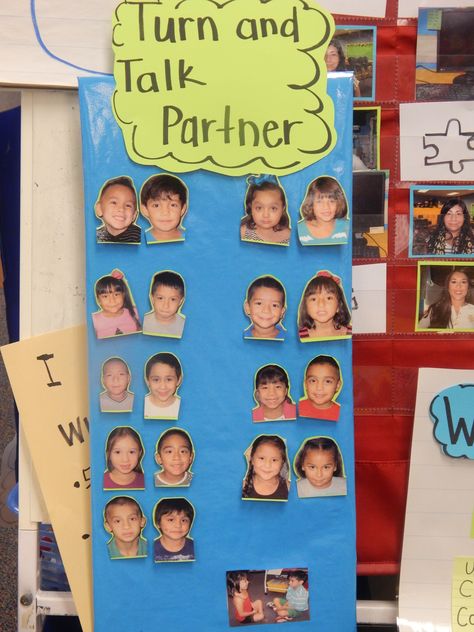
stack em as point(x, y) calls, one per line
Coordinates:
point(452, 412)
point(34, 10)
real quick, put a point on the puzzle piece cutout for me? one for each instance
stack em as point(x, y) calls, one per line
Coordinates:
point(452, 147)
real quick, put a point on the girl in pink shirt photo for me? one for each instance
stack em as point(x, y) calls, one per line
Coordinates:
point(272, 394)
point(117, 315)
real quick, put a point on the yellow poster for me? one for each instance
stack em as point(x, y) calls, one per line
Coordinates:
point(462, 608)
point(49, 381)
point(233, 87)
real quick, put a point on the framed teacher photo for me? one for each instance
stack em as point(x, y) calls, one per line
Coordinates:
point(445, 297)
point(441, 222)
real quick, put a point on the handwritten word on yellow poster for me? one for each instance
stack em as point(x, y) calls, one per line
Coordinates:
point(462, 600)
point(233, 87)
point(49, 381)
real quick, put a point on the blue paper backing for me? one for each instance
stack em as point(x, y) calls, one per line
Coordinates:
point(217, 397)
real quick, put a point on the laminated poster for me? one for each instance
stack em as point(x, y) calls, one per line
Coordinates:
point(175, 545)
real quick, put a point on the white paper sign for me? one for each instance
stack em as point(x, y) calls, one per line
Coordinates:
point(368, 8)
point(437, 141)
point(369, 299)
point(439, 510)
point(409, 8)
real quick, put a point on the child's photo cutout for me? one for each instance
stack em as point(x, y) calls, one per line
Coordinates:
point(265, 306)
point(254, 596)
point(272, 395)
point(117, 315)
point(268, 471)
point(117, 208)
point(266, 218)
point(124, 520)
point(319, 466)
point(115, 378)
point(173, 518)
point(167, 295)
point(324, 214)
point(163, 377)
point(174, 453)
point(354, 48)
point(323, 313)
point(445, 297)
point(124, 454)
point(440, 222)
point(322, 384)
point(164, 203)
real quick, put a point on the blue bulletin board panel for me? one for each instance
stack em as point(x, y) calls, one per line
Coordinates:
point(217, 396)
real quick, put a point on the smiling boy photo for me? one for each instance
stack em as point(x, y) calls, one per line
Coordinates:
point(116, 206)
point(322, 384)
point(174, 454)
point(265, 305)
point(163, 376)
point(164, 202)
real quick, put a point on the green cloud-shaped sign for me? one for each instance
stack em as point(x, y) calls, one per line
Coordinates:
point(232, 87)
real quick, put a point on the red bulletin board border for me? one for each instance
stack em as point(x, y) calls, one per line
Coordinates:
point(386, 365)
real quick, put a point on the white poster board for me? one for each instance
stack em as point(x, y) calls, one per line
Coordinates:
point(438, 516)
